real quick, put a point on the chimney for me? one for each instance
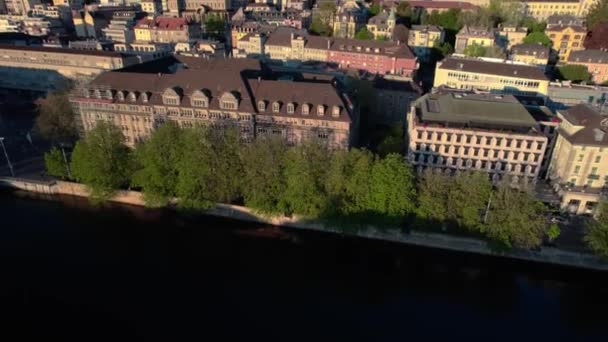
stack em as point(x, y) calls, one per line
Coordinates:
point(328, 44)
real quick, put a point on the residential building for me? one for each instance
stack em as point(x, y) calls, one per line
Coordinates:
point(121, 27)
point(430, 6)
point(62, 13)
point(490, 75)
point(533, 54)
point(20, 7)
point(468, 36)
point(453, 132)
point(563, 95)
point(393, 97)
point(221, 93)
point(596, 62)
point(166, 30)
point(90, 22)
point(382, 24)
point(579, 166)
point(423, 38)
point(350, 17)
point(153, 7)
point(509, 36)
point(566, 37)
point(45, 68)
point(541, 10)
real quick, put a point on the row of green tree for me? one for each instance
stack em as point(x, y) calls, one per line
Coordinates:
point(202, 166)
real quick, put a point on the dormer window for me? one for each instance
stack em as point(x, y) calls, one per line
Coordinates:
point(305, 109)
point(335, 112)
point(320, 110)
point(120, 96)
point(290, 108)
point(97, 93)
point(199, 99)
point(132, 97)
point(109, 94)
point(276, 107)
point(261, 106)
point(172, 96)
point(229, 100)
point(228, 105)
point(144, 97)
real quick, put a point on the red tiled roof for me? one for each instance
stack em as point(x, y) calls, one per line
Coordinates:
point(163, 23)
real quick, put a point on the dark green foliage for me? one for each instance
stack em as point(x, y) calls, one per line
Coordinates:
point(475, 50)
point(468, 194)
point(433, 189)
point(442, 49)
point(215, 26)
point(394, 142)
point(375, 9)
point(538, 38)
point(55, 120)
point(597, 13)
point(55, 163)
point(263, 168)
point(596, 236)
point(448, 20)
point(209, 170)
point(572, 72)
point(321, 21)
point(533, 25)
point(404, 10)
point(364, 34)
point(102, 162)
point(392, 188)
point(515, 218)
point(158, 158)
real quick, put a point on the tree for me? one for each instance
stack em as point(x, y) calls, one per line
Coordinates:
point(475, 50)
point(56, 164)
point(320, 28)
point(374, 9)
point(404, 10)
point(394, 142)
point(515, 218)
point(596, 236)
point(597, 14)
point(573, 72)
point(533, 25)
point(304, 173)
point(553, 232)
point(263, 168)
point(433, 189)
point(322, 19)
point(158, 158)
point(449, 20)
point(495, 52)
point(392, 190)
point(364, 34)
point(209, 170)
point(55, 120)
point(538, 38)
point(101, 161)
point(215, 26)
point(468, 194)
point(348, 182)
point(442, 49)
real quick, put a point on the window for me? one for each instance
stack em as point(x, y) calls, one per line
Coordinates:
point(577, 169)
point(228, 105)
point(580, 157)
point(276, 107)
point(335, 112)
point(290, 108)
point(320, 110)
point(594, 170)
point(598, 158)
point(132, 97)
point(261, 106)
point(199, 102)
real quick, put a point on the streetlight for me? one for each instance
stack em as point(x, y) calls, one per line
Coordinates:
point(65, 160)
point(8, 161)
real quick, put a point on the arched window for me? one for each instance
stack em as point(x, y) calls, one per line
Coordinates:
point(305, 109)
point(320, 110)
point(261, 106)
point(290, 108)
point(276, 107)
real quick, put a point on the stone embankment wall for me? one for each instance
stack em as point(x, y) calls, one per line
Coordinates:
point(393, 234)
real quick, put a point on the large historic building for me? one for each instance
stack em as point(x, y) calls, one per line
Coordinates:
point(46, 68)
point(579, 166)
point(373, 56)
point(502, 77)
point(567, 33)
point(350, 17)
point(233, 92)
point(454, 132)
point(543, 9)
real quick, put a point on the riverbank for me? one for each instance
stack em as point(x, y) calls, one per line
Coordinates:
point(392, 234)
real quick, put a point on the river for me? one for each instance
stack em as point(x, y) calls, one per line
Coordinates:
point(71, 271)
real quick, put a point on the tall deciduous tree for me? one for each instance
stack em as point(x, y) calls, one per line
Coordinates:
point(364, 34)
point(404, 10)
point(538, 38)
point(515, 218)
point(158, 158)
point(574, 72)
point(468, 196)
point(597, 13)
point(101, 161)
point(55, 163)
point(375, 9)
point(305, 172)
point(596, 236)
point(349, 182)
point(209, 170)
point(433, 189)
point(55, 120)
point(475, 50)
point(263, 167)
point(392, 187)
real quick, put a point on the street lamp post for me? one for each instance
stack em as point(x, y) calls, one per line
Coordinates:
point(65, 160)
point(8, 161)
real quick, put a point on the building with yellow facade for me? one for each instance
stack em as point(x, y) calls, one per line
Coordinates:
point(508, 36)
point(566, 38)
point(543, 9)
point(468, 36)
point(423, 38)
point(579, 165)
point(350, 17)
point(533, 54)
point(382, 25)
point(484, 74)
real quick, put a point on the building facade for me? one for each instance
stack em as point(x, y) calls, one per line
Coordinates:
point(383, 24)
point(44, 68)
point(423, 38)
point(491, 76)
point(350, 17)
point(579, 166)
point(509, 36)
point(468, 36)
point(166, 30)
point(596, 62)
point(563, 95)
point(533, 54)
point(453, 132)
point(541, 10)
point(566, 38)
point(220, 93)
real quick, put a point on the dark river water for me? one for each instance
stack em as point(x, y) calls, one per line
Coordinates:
point(70, 271)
